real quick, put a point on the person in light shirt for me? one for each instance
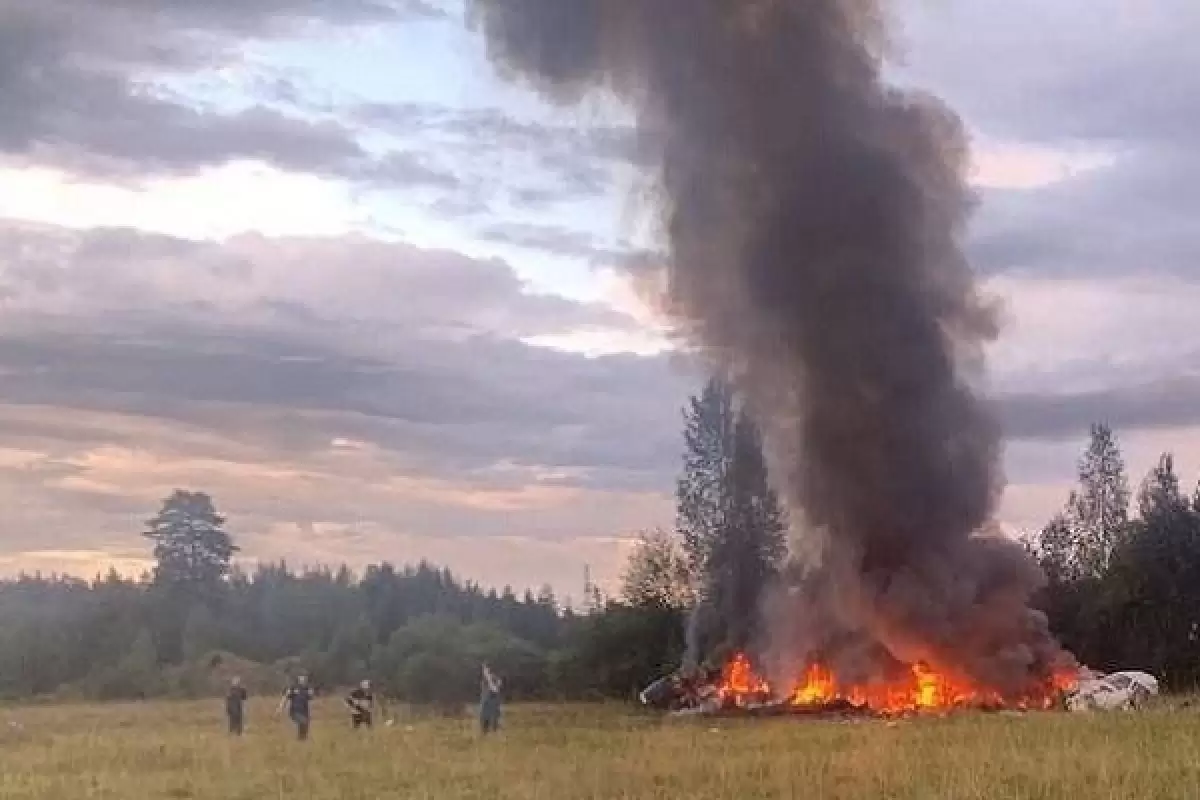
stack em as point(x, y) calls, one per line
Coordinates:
point(489, 702)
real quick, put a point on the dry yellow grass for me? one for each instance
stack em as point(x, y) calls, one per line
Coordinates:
point(180, 751)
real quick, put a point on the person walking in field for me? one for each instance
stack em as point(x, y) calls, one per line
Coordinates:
point(298, 701)
point(235, 706)
point(361, 702)
point(489, 702)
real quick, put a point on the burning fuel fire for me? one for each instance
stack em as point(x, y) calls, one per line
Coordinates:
point(740, 685)
point(919, 689)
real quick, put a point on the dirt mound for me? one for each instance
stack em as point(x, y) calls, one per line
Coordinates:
point(211, 675)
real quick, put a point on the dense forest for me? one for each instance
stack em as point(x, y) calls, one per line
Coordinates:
point(419, 632)
point(1122, 588)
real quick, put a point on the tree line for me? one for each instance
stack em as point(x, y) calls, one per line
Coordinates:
point(1119, 592)
point(1123, 569)
point(418, 632)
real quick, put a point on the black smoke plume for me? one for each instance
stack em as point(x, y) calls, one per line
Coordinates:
point(814, 219)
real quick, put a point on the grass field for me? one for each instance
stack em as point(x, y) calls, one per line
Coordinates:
point(179, 751)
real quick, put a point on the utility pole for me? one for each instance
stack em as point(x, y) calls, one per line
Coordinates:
point(589, 604)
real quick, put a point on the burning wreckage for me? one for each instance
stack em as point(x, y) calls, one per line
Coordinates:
point(738, 689)
point(812, 221)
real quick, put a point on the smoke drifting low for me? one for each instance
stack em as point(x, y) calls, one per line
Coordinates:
point(814, 218)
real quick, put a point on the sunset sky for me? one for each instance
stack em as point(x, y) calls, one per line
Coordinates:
point(315, 258)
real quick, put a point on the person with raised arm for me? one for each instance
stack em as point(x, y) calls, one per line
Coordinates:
point(489, 702)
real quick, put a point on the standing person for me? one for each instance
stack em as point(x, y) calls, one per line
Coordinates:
point(298, 700)
point(361, 703)
point(235, 705)
point(489, 702)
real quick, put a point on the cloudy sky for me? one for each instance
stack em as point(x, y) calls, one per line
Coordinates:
point(312, 257)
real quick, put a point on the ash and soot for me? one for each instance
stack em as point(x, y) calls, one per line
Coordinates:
point(813, 219)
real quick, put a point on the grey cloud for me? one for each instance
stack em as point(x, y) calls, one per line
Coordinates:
point(1100, 76)
point(401, 118)
point(552, 239)
point(570, 161)
point(473, 204)
point(287, 90)
point(322, 286)
point(492, 125)
point(577, 176)
point(451, 410)
point(406, 169)
point(423, 363)
point(454, 409)
point(1157, 405)
point(534, 198)
point(572, 243)
point(1133, 217)
point(146, 135)
point(256, 17)
point(73, 83)
point(1066, 72)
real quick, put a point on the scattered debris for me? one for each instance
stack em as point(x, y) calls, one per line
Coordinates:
point(738, 690)
point(1118, 691)
point(684, 692)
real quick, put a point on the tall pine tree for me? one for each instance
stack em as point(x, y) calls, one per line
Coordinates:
point(749, 553)
point(192, 552)
point(702, 490)
point(1099, 510)
point(729, 517)
point(191, 547)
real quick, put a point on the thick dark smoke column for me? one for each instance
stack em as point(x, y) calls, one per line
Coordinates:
point(813, 217)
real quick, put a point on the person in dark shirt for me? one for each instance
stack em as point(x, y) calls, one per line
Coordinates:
point(235, 705)
point(361, 703)
point(298, 699)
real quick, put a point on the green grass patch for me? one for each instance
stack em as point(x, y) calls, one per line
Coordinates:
point(180, 751)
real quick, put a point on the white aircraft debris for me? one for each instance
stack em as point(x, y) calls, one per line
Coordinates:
point(1117, 691)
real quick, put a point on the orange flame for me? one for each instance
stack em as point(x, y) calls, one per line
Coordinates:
point(739, 683)
point(819, 687)
point(922, 689)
